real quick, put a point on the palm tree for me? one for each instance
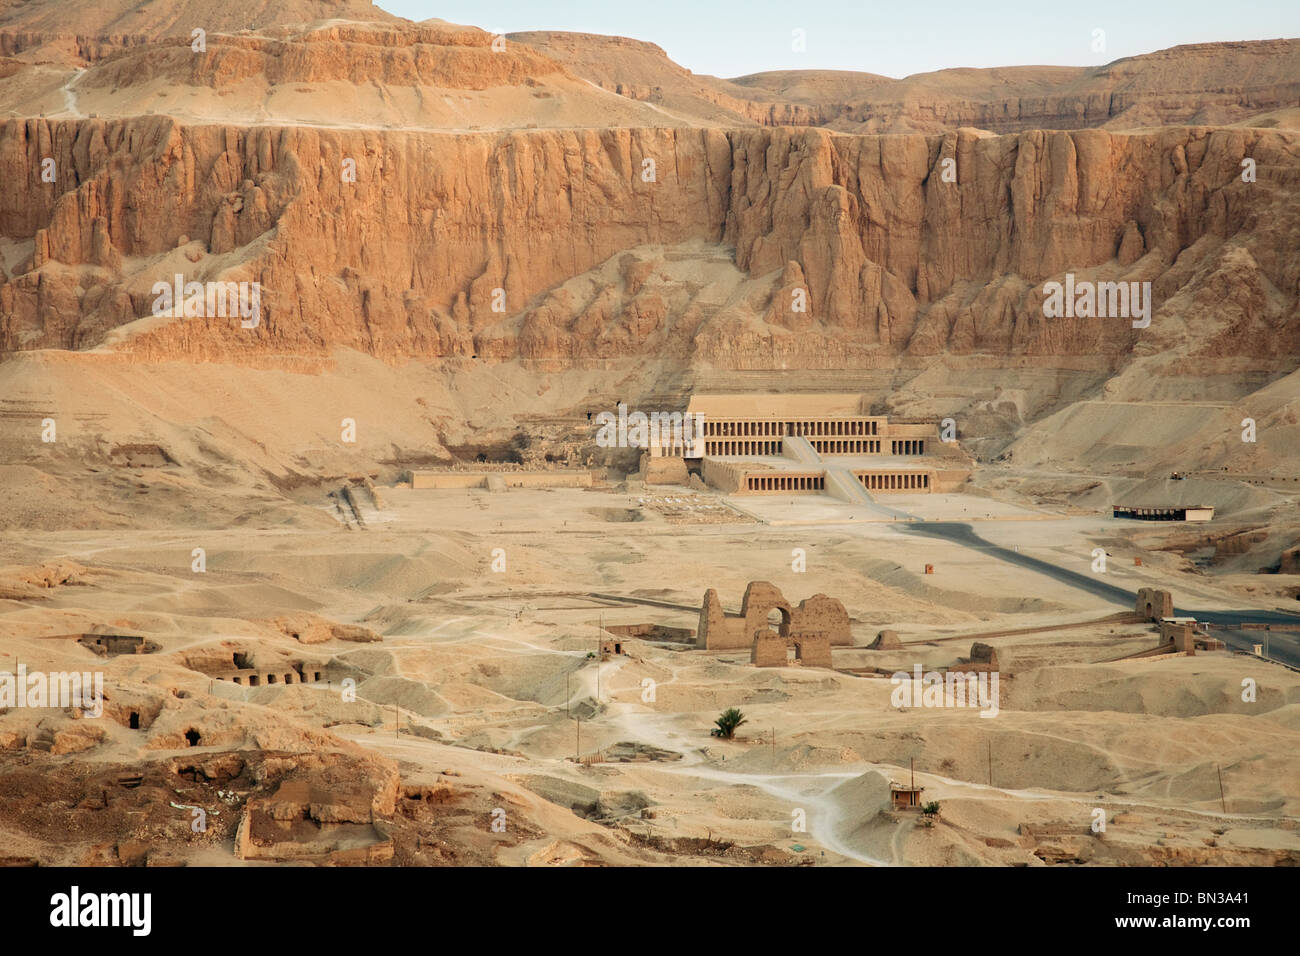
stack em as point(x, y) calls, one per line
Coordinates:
point(730, 719)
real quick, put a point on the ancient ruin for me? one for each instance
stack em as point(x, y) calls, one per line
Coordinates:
point(110, 645)
point(1154, 604)
point(983, 659)
point(809, 649)
point(886, 640)
point(1178, 636)
point(765, 611)
point(1165, 512)
point(775, 444)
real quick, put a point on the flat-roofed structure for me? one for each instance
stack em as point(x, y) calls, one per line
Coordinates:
point(905, 797)
point(450, 478)
point(1164, 512)
point(746, 425)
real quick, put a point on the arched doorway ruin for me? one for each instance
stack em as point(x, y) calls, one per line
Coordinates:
point(778, 621)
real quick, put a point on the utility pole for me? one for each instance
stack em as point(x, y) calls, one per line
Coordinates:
point(773, 748)
point(1222, 798)
point(566, 693)
point(577, 753)
point(990, 763)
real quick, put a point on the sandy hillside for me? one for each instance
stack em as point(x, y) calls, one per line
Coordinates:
point(487, 672)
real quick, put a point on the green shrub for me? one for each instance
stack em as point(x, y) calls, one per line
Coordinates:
point(727, 722)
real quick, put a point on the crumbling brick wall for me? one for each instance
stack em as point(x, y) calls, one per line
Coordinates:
point(813, 650)
point(1183, 636)
point(817, 614)
point(664, 471)
point(1152, 604)
point(772, 650)
point(824, 614)
point(715, 629)
point(761, 599)
point(768, 650)
point(983, 658)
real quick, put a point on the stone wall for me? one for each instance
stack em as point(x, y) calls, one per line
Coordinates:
point(885, 641)
point(110, 645)
point(760, 600)
point(1183, 636)
point(665, 470)
point(772, 650)
point(713, 631)
point(512, 479)
point(813, 650)
point(825, 615)
point(768, 650)
point(722, 475)
point(983, 658)
point(1153, 604)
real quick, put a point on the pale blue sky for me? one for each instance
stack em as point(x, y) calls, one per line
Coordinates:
point(897, 38)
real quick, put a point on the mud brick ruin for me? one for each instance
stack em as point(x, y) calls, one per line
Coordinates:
point(1153, 604)
point(886, 640)
point(983, 659)
point(1178, 635)
point(773, 650)
point(776, 633)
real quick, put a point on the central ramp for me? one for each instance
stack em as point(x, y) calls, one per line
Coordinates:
point(843, 484)
point(801, 450)
point(840, 482)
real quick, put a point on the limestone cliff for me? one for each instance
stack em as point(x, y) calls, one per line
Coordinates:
point(905, 244)
point(1196, 83)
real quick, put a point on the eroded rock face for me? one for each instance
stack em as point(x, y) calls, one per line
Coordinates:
point(894, 253)
point(1195, 83)
point(122, 20)
point(459, 245)
point(403, 261)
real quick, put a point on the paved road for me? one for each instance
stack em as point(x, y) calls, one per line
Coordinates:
point(1283, 646)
